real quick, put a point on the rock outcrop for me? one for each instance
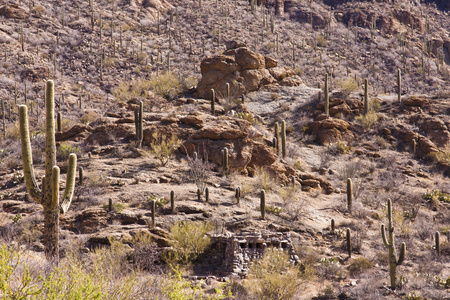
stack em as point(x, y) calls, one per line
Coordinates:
point(244, 71)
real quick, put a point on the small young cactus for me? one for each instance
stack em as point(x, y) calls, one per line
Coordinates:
point(138, 122)
point(153, 213)
point(399, 85)
point(349, 195)
point(207, 194)
point(327, 100)
point(48, 194)
point(172, 201)
point(80, 176)
point(283, 138)
point(333, 226)
point(263, 204)
point(277, 137)
point(225, 160)
point(366, 96)
point(199, 195)
point(213, 102)
point(390, 244)
point(437, 243)
point(349, 243)
point(238, 195)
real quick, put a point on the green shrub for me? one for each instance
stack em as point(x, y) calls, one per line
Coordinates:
point(435, 195)
point(64, 150)
point(88, 117)
point(367, 121)
point(178, 288)
point(164, 146)
point(166, 85)
point(443, 156)
point(188, 240)
point(135, 89)
point(348, 86)
point(359, 265)
point(273, 276)
point(339, 147)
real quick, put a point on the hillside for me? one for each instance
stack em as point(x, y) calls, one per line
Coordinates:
point(106, 56)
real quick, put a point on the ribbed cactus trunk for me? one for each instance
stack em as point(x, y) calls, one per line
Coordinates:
point(48, 195)
point(390, 244)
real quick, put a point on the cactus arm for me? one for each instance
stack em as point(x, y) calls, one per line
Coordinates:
point(402, 254)
point(50, 146)
point(27, 159)
point(70, 184)
point(383, 235)
point(55, 186)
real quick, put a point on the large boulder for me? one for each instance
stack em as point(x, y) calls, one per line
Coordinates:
point(242, 69)
point(12, 11)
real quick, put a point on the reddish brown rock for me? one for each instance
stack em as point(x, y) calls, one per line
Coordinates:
point(243, 70)
point(12, 11)
point(279, 73)
point(247, 59)
point(328, 130)
point(270, 62)
point(416, 101)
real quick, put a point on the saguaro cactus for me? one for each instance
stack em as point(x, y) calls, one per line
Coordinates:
point(213, 101)
point(437, 243)
point(349, 195)
point(327, 100)
point(225, 160)
point(48, 194)
point(138, 122)
point(390, 244)
point(172, 201)
point(277, 137)
point(349, 242)
point(238, 195)
point(399, 85)
point(366, 96)
point(283, 138)
point(263, 204)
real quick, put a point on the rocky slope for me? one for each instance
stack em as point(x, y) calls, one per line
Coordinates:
point(401, 153)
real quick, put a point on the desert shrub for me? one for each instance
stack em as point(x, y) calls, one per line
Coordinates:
point(321, 41)
point(247, 116)
point(443, 156)
point(367, 121)
point(359, 265)
point(436, 195)
point(200, 170)
point(126, 91)
point(188, 240)
point(350, 169)
point(273, 276)
point(265, 180)
point(339, 147)
point(88, 117)
point(166, 85)
point(348, 86)
point(13, 131)
point(178, 288)
point(146, 254)
point(65, 149)
point(329, 268)
point(163, 146)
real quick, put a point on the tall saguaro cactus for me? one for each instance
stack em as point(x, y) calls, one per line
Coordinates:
point(399, 85)
point(48, 194)
point(327, 100)
point(390, 244)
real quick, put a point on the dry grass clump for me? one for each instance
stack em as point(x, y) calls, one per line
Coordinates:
point(273, 277)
